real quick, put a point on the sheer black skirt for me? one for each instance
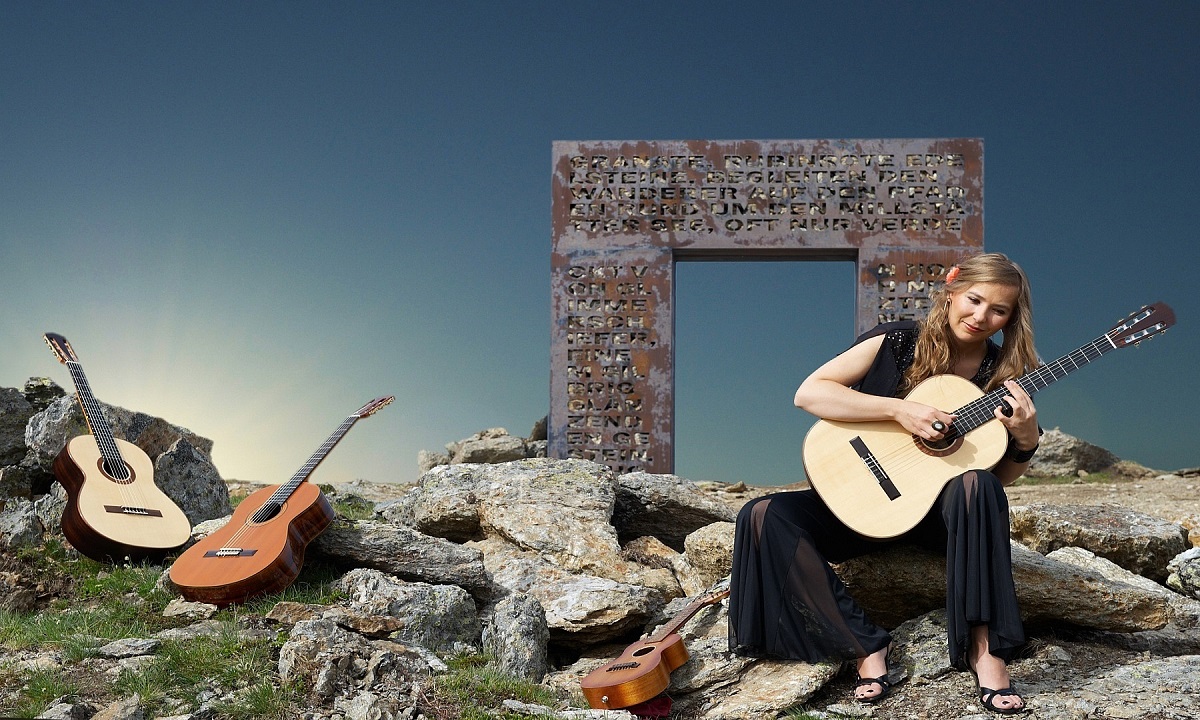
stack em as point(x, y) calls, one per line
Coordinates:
point(786, 602)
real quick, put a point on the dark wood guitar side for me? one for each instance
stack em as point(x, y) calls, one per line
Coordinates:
point(261, 549)
point(114, 510)
point(880, 480)
point(644, 669)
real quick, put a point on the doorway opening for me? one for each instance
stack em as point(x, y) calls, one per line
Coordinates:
point(747, 332)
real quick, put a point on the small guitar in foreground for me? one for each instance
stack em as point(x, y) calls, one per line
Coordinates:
point(261, 549)
point(644, 669)
point(880, 480)
point(114, 509)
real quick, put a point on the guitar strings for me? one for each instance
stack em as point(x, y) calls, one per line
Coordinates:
point(283, 492)
point(979, 411)
point(113, 463)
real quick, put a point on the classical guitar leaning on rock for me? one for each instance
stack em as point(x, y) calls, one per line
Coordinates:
point(114, 509)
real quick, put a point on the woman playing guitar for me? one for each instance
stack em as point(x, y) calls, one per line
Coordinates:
point(786, 602)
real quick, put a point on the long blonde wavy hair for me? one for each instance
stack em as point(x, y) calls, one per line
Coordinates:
point(934, 353)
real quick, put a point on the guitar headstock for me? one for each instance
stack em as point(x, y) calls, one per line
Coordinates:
point(60, 347)
point(373, 407)
point(1143, 324)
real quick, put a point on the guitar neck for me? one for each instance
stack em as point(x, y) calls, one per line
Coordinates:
point(981, 410)
point(96, 422)
point(680, 620)
point(285, 491)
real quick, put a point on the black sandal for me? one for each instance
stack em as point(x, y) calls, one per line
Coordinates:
point(882, 682)
point(987, 698)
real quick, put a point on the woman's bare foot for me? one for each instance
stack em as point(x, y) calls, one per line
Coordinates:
point(992, 673)
point(870, 668)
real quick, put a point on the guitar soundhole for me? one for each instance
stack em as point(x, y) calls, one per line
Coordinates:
point(106, 468)
point(939, 448)
point(266, 512)
point(642, 651)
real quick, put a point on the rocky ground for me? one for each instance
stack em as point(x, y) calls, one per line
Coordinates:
point(1064, 673)
point(1169, 496)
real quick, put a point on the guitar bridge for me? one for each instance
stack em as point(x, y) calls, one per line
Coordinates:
point(129, 510)
point(876, 469)
point(623, 666)
point(230, 552)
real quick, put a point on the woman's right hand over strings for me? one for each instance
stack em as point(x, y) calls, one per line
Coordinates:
point(923, 421)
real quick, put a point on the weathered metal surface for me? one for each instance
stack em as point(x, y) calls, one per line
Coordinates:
point(623, 211)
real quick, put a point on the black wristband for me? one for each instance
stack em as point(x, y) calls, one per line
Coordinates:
point(1021, 456)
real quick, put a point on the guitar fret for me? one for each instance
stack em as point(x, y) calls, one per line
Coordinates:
point(285, 491)
point(979, 411)
point(97, 422)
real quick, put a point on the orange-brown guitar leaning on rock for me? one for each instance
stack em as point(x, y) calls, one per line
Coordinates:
point(261, 549)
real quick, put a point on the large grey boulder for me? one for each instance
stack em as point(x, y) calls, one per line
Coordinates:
point(1060, 454)
point(183, 467)
point(1140, 543)
point(904, 582)
point(15, 412)
point(667, 507)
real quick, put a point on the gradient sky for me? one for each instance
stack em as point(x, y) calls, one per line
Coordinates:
point(251, 218)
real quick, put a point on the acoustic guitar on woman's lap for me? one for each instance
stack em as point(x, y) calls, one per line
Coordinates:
point(114, 510)
point(261, 549)
point(880, 480)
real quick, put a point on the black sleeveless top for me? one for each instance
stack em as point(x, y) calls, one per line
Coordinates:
point(896, 355)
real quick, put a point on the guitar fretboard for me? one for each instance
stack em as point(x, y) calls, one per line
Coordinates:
point(982, 409)
point(686, 614)
point(283, 492)
point(98, 424)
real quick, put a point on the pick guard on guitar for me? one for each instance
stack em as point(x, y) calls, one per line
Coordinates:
point(854, 488)
point(244, 559)
point(112, 519)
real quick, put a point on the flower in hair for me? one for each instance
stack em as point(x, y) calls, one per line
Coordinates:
point(952, 275)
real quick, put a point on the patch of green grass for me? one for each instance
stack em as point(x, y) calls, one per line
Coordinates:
point(806, 715)
point(474, 689)
point(38, 689)
point(56, 560)
point(77, 631)
point(262, 700)
point(224, 663)
point(122, 580)
point(353, 509)
point(348, 507)
point(104, 603)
